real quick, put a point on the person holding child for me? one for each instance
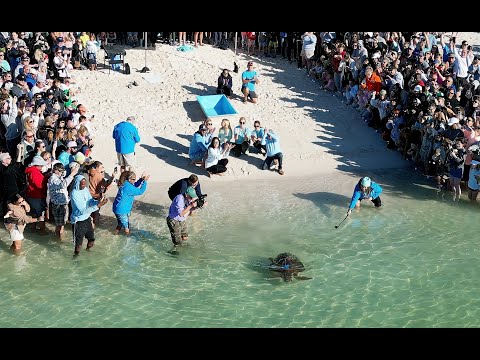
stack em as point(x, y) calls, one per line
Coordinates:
point(15, 220)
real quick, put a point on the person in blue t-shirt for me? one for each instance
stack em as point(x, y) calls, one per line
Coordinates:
point(365, 189)
point(249, 79)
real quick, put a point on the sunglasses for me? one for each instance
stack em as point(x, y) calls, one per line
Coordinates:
point(242, 122)
point(209, 124)
point(257, 126)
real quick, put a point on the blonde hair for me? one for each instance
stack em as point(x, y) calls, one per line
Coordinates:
point(26, 125)
point(227, 122)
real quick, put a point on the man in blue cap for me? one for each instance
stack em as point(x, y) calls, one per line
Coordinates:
point(365, 189)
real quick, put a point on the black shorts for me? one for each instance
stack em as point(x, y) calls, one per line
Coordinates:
point(83, 229)
point(377, 202)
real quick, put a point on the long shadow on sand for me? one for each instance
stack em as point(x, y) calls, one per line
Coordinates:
point(171, 152)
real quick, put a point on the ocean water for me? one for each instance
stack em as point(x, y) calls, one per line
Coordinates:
point(413, 263)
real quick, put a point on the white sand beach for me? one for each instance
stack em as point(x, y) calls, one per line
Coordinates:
point(318, 133)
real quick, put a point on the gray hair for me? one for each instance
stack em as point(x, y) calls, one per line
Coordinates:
point(131, 119)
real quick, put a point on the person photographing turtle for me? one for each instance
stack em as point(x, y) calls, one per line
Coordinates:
point(365, 189)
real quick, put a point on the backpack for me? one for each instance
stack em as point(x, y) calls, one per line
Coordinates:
point(251, 36)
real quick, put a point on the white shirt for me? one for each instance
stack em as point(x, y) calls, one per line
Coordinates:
point(213, 156)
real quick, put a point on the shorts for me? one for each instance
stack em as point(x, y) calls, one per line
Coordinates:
point(456, 173)
point(126, 159)
point(37, 207)
point(273, 43)
point(59, 213)
point(122, 221)
point(82, 229)
point(178, 229)
point(251, 94)
point(308, 54)
point(15, 234)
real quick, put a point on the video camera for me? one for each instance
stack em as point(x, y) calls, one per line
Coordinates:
point(201, 200)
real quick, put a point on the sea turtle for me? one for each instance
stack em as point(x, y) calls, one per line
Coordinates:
point(288, 266)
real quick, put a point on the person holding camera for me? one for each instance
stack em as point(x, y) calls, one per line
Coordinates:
point(180, 187)
point(128, 188)
point(182, 206)
point(456, 155)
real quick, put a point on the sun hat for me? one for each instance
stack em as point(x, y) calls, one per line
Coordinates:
point(72, 144)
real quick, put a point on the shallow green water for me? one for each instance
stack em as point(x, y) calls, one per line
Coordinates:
point(413, 263)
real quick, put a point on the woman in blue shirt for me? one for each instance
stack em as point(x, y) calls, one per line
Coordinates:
point(365, 189)
point(128, 188)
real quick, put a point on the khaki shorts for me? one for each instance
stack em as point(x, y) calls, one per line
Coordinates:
point(126, 160)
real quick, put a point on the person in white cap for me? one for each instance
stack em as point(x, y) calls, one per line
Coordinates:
point(473, 182)
point(365, 189)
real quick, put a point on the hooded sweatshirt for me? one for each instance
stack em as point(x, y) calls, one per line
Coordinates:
point(126, 194)
point(82, 202)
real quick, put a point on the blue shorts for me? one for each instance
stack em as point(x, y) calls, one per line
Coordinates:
point(122, 220)
point(456, 173)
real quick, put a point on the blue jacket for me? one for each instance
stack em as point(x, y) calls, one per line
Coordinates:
point(82, 202)
point(198, 145)
point(271, 143)
point(123, 202)
point(126, 136)
point(359, 195)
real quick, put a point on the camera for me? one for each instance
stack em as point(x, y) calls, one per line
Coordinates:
point(201, 200)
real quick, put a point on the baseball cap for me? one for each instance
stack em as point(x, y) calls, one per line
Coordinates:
point(21, 77)
point(366, 181)
point(72, 144)
point(202, 127)
point(418, 88)
point(250, 63)
point(191, 192)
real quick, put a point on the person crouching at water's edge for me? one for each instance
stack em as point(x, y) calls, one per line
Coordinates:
point(365, 189)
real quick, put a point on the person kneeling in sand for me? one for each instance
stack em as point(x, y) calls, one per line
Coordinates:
point(216, 162)
point(15, 220)
point(365, 189)
point(274, 152)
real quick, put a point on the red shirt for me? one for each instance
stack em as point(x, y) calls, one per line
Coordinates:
point(36, 183)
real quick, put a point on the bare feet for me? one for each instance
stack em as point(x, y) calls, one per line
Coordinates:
point(116, 231)
point(127, 231)
point(281, 172)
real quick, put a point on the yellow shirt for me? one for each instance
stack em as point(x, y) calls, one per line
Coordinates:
point(84, 39)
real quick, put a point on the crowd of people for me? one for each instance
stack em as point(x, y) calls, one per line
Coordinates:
point(418, 90)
